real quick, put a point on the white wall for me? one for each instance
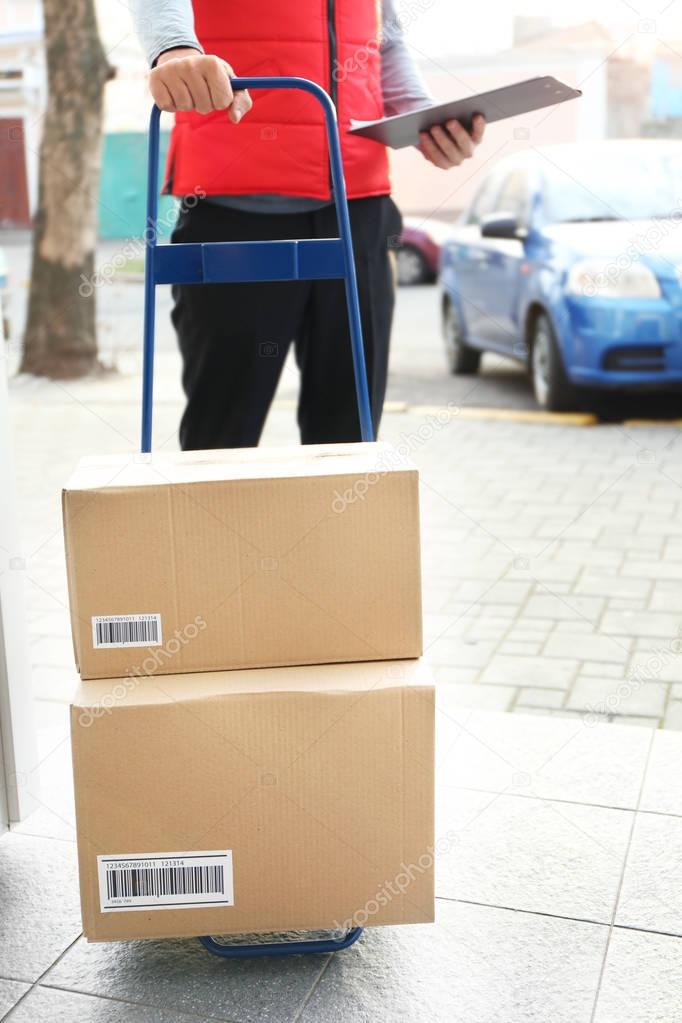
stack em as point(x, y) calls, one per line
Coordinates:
point(17, 728)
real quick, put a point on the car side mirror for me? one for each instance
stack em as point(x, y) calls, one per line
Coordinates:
point(502, 225)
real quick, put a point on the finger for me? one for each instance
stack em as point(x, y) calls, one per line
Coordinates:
point(180, 93)
point(241, 105)
point(218, 81)
point(447, 146)
point(461, 137)
point(161, 95)
point(477, 128)
point(199, 91)
point(432, 152)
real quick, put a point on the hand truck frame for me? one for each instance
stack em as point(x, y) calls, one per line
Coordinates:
point(222, 262)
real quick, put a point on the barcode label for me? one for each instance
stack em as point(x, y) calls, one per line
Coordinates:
point(165, 881)
point(126, 630)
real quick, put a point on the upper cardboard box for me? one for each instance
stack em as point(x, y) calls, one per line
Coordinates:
point(255, 801)
point(202, 561)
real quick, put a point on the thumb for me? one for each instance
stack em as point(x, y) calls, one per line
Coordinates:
point(241, 104)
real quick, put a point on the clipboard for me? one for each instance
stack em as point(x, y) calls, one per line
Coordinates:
point(521, 98)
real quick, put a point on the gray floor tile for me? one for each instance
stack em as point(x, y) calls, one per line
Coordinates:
point(651, 896)
point(40, 908)
point(53, 820)
point(46, 1005)
point(642, 981)
point(557, 858)
point(10, 993)
point(663, 782)
point(475, 965)
point(183, 977)
point(555, 759)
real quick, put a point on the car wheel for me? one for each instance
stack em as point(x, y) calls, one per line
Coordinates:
point(412, 268)
point(462, 359)
point(551, 386)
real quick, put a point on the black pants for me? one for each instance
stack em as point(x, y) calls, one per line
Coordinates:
point(234, 337)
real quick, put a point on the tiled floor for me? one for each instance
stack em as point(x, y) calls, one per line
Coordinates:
point(558, 900)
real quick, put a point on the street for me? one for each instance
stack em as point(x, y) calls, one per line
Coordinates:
point(418, 371)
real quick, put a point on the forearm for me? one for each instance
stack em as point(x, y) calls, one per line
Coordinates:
point(402, 85)
point(164, 25)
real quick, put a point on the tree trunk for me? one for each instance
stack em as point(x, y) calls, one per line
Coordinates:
point(60, 339)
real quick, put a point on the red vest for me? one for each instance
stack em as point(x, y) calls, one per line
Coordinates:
point(280, 145)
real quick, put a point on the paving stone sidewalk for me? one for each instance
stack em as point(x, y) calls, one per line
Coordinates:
point(552, 553)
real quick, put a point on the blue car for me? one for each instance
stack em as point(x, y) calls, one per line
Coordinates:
point(569, 259)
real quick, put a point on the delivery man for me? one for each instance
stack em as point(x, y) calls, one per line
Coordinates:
point(261, 171)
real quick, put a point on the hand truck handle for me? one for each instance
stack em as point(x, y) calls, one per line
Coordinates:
point(349, 275)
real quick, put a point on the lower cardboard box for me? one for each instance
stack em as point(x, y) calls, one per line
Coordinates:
point(255, 800)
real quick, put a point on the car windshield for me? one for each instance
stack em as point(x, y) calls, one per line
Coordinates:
point(630, 184)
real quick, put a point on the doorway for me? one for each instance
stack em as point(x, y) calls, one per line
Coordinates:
point(14, 207)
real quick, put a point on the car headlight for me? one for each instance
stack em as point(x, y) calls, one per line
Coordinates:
point(609, 280)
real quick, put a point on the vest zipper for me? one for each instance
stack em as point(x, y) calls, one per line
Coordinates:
point(333, 89)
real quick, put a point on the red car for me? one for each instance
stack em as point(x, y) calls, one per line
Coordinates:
point(419, 251)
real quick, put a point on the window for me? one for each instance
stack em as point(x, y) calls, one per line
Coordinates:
point(513, 197)
point(484, 202)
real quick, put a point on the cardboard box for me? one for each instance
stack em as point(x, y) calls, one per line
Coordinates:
point(233, 559)
point(311, 787)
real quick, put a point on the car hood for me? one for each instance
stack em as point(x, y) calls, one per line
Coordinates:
point(657, 241)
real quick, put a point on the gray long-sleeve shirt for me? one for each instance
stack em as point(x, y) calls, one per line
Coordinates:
point(168, 24)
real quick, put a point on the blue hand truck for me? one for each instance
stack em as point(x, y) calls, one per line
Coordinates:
point(222, 262)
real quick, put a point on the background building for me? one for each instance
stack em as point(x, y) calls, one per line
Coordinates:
point(632, 87)
point(22, 100)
